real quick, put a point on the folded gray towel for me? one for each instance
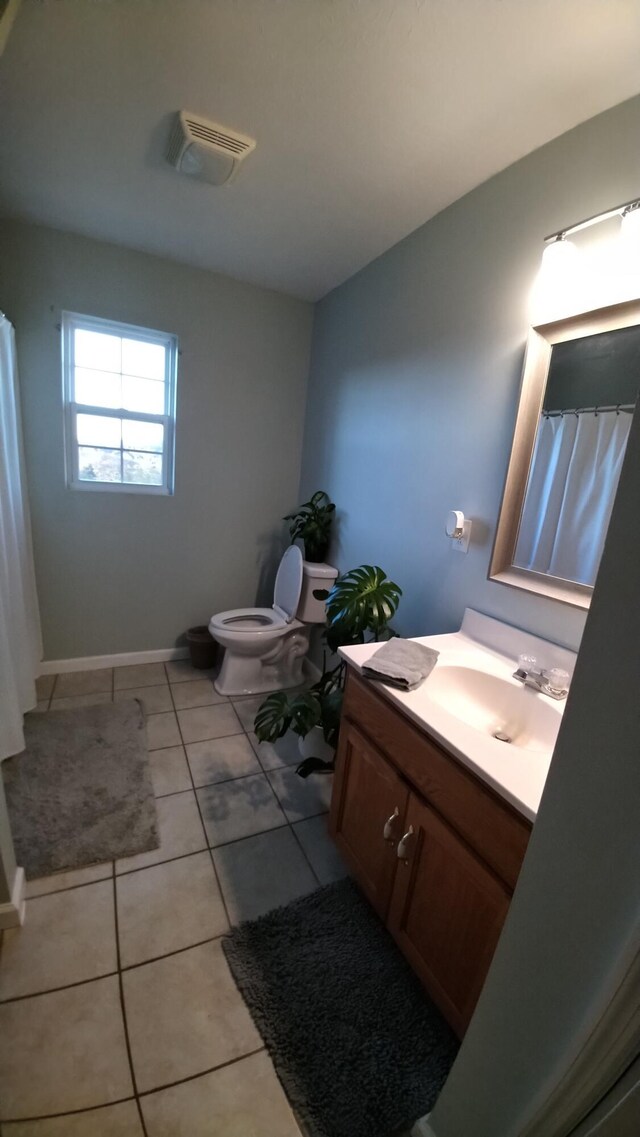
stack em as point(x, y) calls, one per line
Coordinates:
point(401, 663)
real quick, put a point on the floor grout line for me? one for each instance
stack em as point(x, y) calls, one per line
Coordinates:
point(212, 848)
point(176, 951)
point(166, 861)
point(111, 974)
point(220, 781)
point(53, 990)
point(304, 853)
point(123, 1005)
point(203, 1073)
point(136, 1096)
point(67, 1113)
point(73, 887)
point(206, 835)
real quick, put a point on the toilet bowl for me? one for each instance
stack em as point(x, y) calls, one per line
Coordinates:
point(265, 647)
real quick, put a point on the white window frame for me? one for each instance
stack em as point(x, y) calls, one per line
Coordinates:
point(74, 321)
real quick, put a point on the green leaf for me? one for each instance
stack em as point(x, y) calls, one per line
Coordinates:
point(361, 601)
point(305, 711)
point(273, 718)
point(312, 521)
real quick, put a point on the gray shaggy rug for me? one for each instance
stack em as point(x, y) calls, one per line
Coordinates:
point(357, 1044)
point(81, 791)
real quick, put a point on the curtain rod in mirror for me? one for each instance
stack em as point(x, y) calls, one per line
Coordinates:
point(628, 408)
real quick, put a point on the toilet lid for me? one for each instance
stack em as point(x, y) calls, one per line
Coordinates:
point(286, 593)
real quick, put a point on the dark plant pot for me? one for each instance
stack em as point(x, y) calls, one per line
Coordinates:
point(317, 554)
point(203, 649)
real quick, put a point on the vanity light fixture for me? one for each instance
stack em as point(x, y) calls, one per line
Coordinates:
point(559, 254)
point(631, 223)
point(626, 211)
point(578, 279)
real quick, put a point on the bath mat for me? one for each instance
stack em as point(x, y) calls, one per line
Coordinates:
point(81, 791)
point(357, 1044)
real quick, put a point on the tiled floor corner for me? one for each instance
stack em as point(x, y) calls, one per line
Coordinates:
point(116, 1002)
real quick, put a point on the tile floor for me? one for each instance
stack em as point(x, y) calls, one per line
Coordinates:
point(118, 1014)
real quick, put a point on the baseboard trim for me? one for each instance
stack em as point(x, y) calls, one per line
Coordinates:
point(122, 659)
point(12, 913)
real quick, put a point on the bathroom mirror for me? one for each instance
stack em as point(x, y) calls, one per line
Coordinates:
point(579, 389)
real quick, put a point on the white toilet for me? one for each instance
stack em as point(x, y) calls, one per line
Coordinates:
point(265, 647)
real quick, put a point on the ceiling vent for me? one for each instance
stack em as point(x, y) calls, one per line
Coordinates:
point(206, 150)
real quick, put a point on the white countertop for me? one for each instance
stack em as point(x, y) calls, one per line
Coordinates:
point(483, 644)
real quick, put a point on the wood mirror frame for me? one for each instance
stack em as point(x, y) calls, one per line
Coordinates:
point(534, 380)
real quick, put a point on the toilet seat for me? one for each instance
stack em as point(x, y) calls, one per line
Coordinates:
point(249, 621)
point(288, 585)
point(264, 647)
point(263, 622)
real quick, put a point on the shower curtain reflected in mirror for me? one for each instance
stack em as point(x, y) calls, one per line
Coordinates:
point(572, 483)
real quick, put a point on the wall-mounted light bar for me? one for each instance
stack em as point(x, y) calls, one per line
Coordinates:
point(625, 210)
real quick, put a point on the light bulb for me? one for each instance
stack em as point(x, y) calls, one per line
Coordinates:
point(559, 256)
point(557, 290)
point(630, 229)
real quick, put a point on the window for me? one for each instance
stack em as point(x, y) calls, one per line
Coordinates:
point(119, 394)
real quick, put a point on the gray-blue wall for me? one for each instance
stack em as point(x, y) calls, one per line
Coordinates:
point(416, 366)
point(129, 572)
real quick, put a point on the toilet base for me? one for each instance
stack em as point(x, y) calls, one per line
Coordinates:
point(246, 675)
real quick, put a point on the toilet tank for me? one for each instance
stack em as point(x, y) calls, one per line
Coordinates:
point(314, 575)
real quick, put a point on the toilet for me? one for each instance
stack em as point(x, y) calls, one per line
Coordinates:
point(265, 647)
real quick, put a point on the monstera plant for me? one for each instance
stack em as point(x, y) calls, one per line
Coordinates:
point(359, 607)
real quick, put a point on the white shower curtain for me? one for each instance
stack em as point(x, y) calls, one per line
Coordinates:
point(20, 639)
point(572, 483)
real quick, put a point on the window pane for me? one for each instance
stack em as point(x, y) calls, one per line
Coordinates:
point(142, 435)
point(98, 430)
point(144, 395)
point(96, 465)
point(97, 349)
point(97, 388)
point(145, 359)
point(145, 469)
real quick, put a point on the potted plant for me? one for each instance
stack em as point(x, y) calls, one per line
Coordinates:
point(312, 524)
point(359, 607)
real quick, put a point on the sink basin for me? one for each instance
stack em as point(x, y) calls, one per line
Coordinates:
point(498, 707)
point(471, 699)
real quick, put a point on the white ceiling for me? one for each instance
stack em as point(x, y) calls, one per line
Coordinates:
point(370, 116)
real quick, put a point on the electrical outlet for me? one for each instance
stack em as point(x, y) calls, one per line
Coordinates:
point(461, 544)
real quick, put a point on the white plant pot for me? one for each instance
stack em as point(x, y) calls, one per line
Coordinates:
point(313, 745)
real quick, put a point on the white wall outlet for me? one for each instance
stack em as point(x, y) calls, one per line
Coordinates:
point(461, 544)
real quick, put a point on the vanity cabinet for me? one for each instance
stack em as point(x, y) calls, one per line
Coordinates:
point(435, 851)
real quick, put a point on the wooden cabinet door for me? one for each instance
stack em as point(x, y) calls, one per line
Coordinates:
point(367, 794)
point(447, 911)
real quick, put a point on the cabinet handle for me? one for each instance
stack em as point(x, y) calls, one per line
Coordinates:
point(403, 846)
point(387, 832)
